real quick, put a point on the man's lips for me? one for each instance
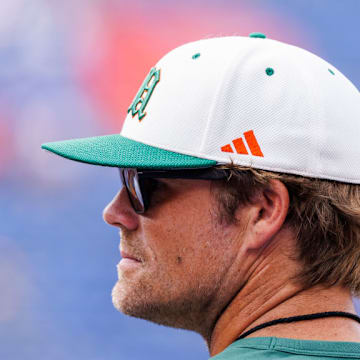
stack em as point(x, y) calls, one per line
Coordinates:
point(125, 255)
point(128, 262)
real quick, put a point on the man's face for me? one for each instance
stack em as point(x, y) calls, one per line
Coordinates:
point(183, 252)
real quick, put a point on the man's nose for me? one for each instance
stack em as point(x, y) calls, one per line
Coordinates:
point(119, 212)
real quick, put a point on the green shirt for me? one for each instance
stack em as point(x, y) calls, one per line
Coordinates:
point(271, 348)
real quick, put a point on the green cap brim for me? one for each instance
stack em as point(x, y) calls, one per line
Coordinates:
point(116, 150)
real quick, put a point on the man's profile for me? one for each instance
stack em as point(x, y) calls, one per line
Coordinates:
point(239, 206)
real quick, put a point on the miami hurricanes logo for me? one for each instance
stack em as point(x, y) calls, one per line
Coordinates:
point(143, 96)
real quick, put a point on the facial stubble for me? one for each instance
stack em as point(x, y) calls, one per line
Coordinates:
point(168, 300)
point(179, 296)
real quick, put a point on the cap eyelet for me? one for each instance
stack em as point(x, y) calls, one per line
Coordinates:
point(269, 71)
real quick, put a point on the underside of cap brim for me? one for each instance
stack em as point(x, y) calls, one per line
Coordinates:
point(119, 151)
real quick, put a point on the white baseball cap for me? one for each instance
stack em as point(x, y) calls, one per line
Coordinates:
point(251, 101)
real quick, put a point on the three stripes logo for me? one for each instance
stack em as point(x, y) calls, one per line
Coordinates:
point(240, 147)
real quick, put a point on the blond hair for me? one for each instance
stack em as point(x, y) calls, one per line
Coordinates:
point(324, 216)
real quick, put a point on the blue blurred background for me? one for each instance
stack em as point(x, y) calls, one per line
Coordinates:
point(70, 69)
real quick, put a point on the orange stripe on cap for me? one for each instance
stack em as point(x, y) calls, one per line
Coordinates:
point(227, 148)
point(253, 144)
point(240, 146)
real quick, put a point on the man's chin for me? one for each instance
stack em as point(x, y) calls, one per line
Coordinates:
point(143, 304)
point(143, 307)
point(118, 296)
point(127, 301)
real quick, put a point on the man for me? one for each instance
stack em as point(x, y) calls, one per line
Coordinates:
point(239, 208)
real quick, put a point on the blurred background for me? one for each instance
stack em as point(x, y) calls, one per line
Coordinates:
point(70, 69)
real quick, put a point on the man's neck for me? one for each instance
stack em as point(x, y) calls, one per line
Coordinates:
point(254, 306)
point(270, 292)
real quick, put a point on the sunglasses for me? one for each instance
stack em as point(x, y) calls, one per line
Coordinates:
point(141, 184)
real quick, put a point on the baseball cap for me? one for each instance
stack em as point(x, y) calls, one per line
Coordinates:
point(249, 101)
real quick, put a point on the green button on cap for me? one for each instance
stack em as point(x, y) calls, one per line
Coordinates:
point(257, 35)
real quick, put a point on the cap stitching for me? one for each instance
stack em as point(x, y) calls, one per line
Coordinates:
point(215, 98)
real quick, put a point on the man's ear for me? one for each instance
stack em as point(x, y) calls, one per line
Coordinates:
point(267, 214)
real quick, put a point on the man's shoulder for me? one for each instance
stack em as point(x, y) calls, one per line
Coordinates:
point(277, 348)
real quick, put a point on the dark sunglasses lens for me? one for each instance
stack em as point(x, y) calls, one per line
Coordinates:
point(133, 189)
point(147, 186)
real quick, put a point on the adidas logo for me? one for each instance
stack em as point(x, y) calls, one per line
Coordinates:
point(240, 147)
